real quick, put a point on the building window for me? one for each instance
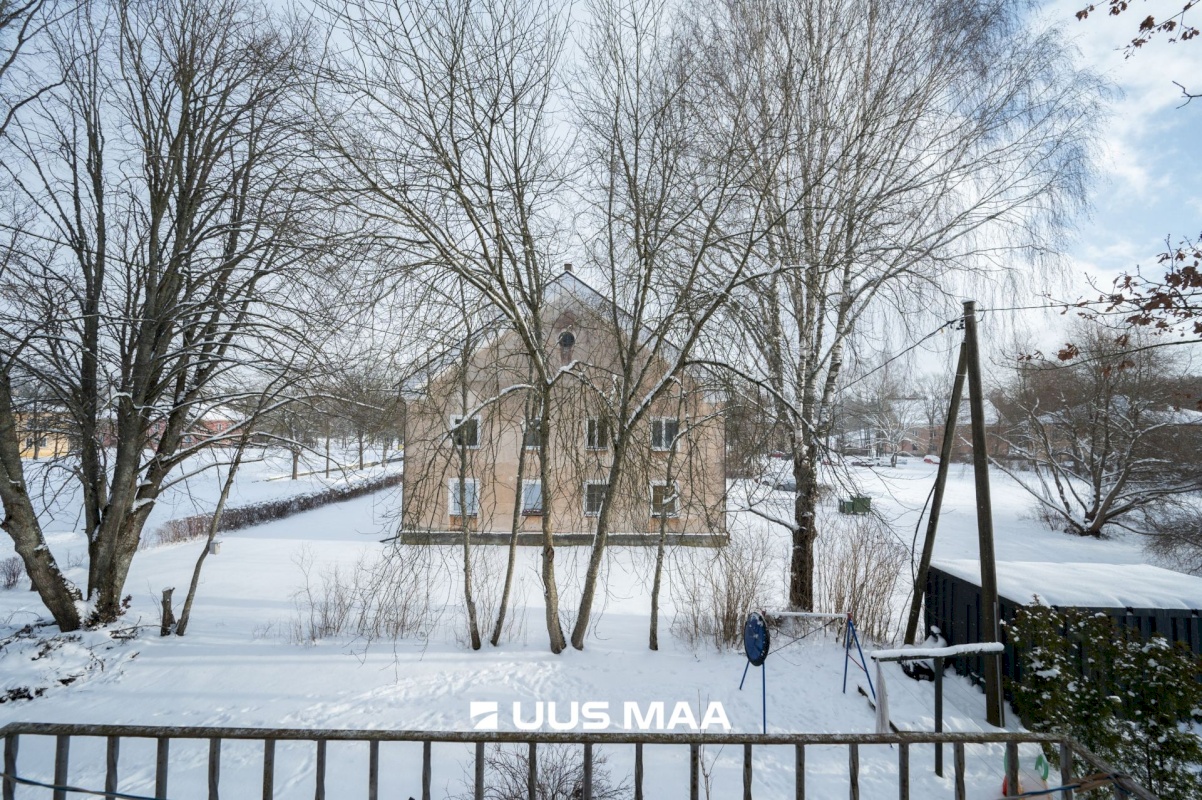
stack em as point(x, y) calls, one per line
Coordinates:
point(469, 495)
point(664, 431)
point(465, 431)
point(594, 496)
point(532, 438)
point(532, 497)
point(597, 434)
point(664, 498)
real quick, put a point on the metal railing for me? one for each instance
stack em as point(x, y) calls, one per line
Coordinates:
point(1071, 753)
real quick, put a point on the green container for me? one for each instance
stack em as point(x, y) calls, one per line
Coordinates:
point(858, 504)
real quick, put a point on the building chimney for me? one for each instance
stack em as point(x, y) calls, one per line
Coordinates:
point(567, 267)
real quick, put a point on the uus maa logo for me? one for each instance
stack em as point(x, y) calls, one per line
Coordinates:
point(597, 715)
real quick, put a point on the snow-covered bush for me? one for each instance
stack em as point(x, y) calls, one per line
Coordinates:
point(713, 593)
point(233, 519)
point(1066, 660)
point(1135, 702)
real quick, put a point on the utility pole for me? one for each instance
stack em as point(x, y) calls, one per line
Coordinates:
point(994, 712)
point(945, 458)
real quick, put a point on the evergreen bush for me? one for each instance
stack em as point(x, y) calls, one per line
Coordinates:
point(1134, 702)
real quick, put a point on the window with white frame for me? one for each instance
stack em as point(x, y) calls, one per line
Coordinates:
point(597, 434)
point(463, 497)
point(594, 497)
point(664, 431)
point(465, 431)
point(532, 498)
point(664, 499)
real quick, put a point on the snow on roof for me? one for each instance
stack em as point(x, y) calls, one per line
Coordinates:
point(1086, 584)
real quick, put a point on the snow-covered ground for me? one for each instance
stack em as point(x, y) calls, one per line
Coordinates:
point(241, 663)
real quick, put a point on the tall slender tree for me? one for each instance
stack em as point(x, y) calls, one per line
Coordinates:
point(927, 146)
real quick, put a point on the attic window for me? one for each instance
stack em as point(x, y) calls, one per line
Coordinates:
point(566, 340)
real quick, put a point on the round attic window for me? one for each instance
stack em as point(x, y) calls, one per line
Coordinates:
point(567, 339)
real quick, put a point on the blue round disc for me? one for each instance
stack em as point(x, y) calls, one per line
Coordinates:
point(755, 638)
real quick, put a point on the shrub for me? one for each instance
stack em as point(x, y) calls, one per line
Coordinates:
point(859, 565)
point(385, 597)
point(713, 593)
point(1174, 537)
point(11, 570)
point(1135, 702)
point(233, 519)
point(560, 774)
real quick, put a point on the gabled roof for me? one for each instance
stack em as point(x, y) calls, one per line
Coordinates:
point(564, 286)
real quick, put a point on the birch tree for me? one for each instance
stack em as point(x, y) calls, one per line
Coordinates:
point(442, 117)
point(928, 146)
point(675, 227)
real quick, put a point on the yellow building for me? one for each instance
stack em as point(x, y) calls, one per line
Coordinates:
point(42, 435)
point(675, 475)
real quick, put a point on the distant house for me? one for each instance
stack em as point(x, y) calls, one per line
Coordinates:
point(208, 428)
point(469, 423)
point(915, 426)
point(42, 435)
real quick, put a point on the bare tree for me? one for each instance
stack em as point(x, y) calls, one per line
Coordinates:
point(927, 144)
point(934, 391)
point(1106, 436)
point(442, 116)
point(879, 408)
point(168, 239)
point(675, 227)
point(23, 34)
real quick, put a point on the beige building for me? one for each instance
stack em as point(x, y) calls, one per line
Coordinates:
point(42, 435)
point(474, 426)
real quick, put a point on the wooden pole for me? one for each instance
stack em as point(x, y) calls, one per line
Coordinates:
point(945, 458)
point(939, 714)
point(994, 712)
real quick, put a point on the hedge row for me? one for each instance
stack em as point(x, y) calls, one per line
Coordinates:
point(233, 519)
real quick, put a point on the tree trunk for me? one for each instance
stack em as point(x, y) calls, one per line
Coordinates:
point(599, 543)
point(657, 582)
point(805, 531)
point(473, 625)
point(124, 537)
point(653, 642)
point(59, 595)
point(295, 463)
point(214, 522)
point(166, 615)
point(516, 527)
point(550, 588)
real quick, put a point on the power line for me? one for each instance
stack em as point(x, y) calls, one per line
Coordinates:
point(1065, 305)
point(909, 349)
